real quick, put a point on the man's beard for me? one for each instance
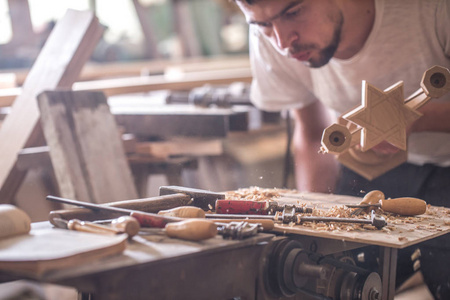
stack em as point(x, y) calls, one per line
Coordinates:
point(325, 54)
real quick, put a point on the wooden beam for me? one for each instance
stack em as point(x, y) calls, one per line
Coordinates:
point(185, 81)
point(150, 40)
point(140, 84)
point(58, 65)
point(94, 71)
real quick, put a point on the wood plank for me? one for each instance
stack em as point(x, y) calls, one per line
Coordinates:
point(181, 146)
point(85, 147)
point(93, 71)
point(140, 84)
point(68, 47)
point(150, 39)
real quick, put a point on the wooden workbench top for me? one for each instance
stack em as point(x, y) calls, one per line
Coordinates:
point(400, 232)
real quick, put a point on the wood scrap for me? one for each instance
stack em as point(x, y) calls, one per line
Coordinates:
point(68, 47)
point(85, 147)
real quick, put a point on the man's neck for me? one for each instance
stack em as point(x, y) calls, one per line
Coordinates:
point(359, 17)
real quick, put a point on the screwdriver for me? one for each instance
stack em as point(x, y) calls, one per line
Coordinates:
point(405, 206)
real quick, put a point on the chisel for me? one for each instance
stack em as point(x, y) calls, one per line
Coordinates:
point(194, 230)
point(404, 206)
point(145, 219)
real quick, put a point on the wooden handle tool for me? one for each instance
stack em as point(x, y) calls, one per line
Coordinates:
point(124, 224)
point(405, 206)
point(192, 230)
point(144, 219)
point(183, 212)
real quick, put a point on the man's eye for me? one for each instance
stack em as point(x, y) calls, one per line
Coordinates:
point(264, 24)
point(292, 13)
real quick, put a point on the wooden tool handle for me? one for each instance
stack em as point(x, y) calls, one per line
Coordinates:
point(267, 224)
point(78, 225)
point(184, 212)
point(192, 230)
point(152, 205)
point(126, 224)
point(373, 197)
point(404, 206)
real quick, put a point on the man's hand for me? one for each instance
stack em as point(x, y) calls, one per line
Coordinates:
point(385, 148)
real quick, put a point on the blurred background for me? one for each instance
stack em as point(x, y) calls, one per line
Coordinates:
point(134, 29)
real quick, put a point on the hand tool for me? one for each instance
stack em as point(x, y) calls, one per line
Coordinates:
point(195, 229)
point(195, 212)
point(171, 196)
point(201, 198)
point(191, 230)
point(125, 224)
point(248, 207)
point(287, 217)
point(183, 212)
point(404, 206)
point(145, 219)
point(371, 197)
point(374, 220)
point(238, 230)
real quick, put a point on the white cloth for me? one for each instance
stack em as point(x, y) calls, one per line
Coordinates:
point(408, 37)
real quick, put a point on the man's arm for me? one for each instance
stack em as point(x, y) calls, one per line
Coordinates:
point(435, 117)
point(314, 172)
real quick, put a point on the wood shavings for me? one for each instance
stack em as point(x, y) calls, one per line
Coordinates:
point(255, 194)
point(396, 224)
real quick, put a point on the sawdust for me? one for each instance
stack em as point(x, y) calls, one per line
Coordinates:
point(341, 211)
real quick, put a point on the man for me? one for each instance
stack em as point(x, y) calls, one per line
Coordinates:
point(311, 56)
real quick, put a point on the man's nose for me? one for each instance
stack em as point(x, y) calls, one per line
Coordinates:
point(284, 36)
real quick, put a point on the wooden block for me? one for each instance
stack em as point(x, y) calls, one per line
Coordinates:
point(59, 63)
point(85, 147)
point(383, 116)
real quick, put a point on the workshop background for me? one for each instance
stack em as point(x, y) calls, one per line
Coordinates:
point(198, 129)
point(243, 146)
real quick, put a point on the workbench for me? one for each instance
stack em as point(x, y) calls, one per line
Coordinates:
point(157, 267)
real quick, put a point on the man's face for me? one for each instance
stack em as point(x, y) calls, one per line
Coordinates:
point(306, 30)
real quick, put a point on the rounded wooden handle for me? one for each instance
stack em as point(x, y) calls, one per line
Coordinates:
point(78, 225)
point(192, 230)
point(405, 206)
point(184, 212)
point(373, 197)
point(126, 224)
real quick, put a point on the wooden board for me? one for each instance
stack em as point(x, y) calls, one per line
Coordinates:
point(51, 249)
point(59, 63)
point(400, 232)
point(85, 147)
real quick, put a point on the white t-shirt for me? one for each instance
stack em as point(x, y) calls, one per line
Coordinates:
point(408, 37)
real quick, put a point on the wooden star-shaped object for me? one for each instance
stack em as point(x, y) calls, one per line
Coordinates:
point(383, 116)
